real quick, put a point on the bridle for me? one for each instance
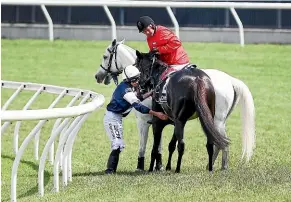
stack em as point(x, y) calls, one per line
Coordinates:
point(150, 77)
point(113, 53)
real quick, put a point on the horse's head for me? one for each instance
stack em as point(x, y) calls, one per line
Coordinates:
point(151, 69)
point(115, 58)
point(108, 67)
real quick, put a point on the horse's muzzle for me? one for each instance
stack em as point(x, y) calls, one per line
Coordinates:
point(98, 79)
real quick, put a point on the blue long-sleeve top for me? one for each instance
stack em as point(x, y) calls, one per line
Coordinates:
point(123, 99)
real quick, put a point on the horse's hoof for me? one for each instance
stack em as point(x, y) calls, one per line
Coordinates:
point(177, 171)
point(159, 167)
point(207, 167)
point(168, 168)
point(139, 170)
point(110, 171)
point(150, 170)
point(224, 170)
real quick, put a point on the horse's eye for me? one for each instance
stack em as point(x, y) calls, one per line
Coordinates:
point(105, 57)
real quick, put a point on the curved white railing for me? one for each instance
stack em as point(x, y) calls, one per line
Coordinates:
point(161, 4)
point(68, 128)
point(38, 114)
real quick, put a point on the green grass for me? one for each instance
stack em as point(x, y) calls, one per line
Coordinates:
point(264, 68)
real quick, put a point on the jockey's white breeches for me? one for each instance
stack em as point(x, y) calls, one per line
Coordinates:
point(114, 130)
point(179, 67)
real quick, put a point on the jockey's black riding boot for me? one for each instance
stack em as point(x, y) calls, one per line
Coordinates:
point(159, 163)
point(112, 161)
point(140, 163)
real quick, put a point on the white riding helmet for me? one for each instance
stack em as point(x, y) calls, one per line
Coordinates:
point(130, 73)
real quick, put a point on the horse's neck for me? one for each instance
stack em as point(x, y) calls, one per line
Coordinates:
point(130, 50)
point(126, 55)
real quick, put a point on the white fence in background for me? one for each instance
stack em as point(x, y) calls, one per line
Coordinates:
point(163, 4)
point(68, 123)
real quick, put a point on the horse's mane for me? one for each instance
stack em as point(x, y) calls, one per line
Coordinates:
point(130, 50)
point(162, 64)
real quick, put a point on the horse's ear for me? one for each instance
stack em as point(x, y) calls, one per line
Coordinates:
point(114, 42)
point(138, 54)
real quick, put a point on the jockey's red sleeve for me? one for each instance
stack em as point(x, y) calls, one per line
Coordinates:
point(172, 42)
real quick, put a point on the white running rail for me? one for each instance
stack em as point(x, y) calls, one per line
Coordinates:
point(74, 117)
point(161, 4)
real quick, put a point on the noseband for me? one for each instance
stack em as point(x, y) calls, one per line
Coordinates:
point(114, 75)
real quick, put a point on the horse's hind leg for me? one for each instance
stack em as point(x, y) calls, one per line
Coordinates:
point(179, 132)
point(223, 107)
point(216, 151)
point(209, 147)
point(225, 152)
point(171, 148)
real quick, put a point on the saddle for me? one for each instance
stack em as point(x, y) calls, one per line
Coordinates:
point(161, 89)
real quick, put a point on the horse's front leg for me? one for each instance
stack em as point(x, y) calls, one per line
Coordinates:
point(143, 130)
point(158, 126)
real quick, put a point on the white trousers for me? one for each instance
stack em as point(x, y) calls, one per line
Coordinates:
point(176, 67)
point(114, 130)
point(179, 67)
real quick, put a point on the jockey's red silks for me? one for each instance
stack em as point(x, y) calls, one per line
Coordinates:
point(169, 46)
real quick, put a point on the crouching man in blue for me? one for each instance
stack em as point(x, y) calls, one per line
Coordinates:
point(122, 101)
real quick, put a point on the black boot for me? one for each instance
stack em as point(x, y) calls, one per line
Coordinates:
point(159, 163)
point(140, 164)
point(112, 162)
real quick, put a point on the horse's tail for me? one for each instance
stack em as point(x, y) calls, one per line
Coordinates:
point(245, 98)
point(205, 115)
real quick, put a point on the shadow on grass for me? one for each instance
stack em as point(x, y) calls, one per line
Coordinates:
point(98, 173)
point(126, 173)
point(242, 177)
point(33, 190)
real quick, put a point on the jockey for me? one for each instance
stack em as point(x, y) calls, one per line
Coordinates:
point(122, 101)
point(164, 42)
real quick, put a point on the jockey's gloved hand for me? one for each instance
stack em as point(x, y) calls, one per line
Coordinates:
point(138, 93)
point(154, 52)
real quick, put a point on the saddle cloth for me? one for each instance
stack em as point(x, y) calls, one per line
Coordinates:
point(161, 90)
